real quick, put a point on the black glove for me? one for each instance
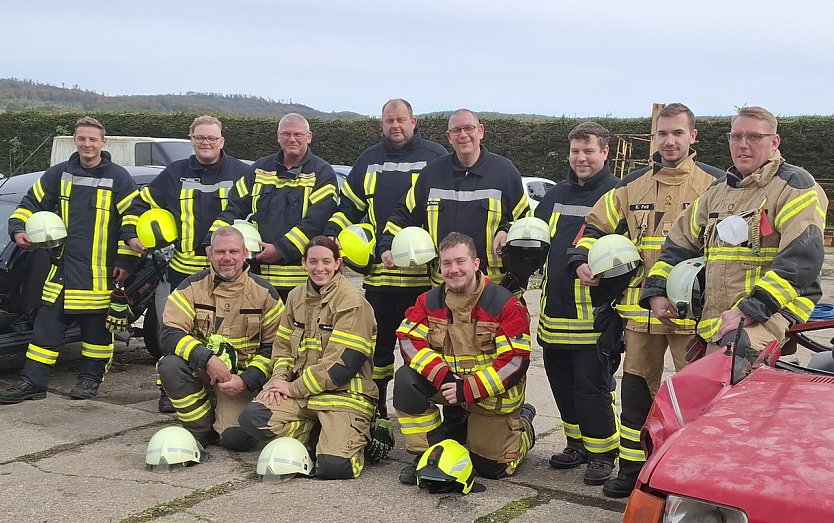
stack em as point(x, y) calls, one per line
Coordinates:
point(382, 440)
point(118, 315)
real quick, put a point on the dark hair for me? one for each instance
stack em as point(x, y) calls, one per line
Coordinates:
point(398, 101)
point(454, 239)
point(322, 241)
point(586, 130)
point(675, 109)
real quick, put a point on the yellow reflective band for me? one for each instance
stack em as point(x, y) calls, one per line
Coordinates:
point(392, 228)
point(41, 354)
point(352, 341)
point(572, 431)
point(586, 242)
point(491, 381)
point(124, 204)
point(708, 327)
point(102, 352)
point(568, 338)
point(423, 358)
point(191, 399)
point(284, 361)
point(323, 193)
point(570, 324)
point(355, 199)
point(419, 424)
point(553, 223)
point(283, 332)
point(261, 363)
point(381, 373)
point(37, 191)
point(185, 345)
point(284, 276)
point(354, 402)
point(242, 187)
point(182, 304)
point(521, 208)
point(601, 445)
point(651, 243)
point(411, 199)
point(632, 454)
point(611, 211)
point(519, 342)
point(310, 382)
point(272, 314)
point(694, 228)
point(801, 307)
point(194, 415)
point(100, 274)
point(77, 299)
point(340, 220)
point(794, 207)
point(297, 237)
point(145, 194)
point(660, 269)
point(418, 330)
point(777, 287)
point(629, 433)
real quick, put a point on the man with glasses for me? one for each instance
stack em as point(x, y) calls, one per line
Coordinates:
point(288, 196)
point(760, 231)
point(379, 179)
point(194, 190)
point(471, 190)
point(643, 206)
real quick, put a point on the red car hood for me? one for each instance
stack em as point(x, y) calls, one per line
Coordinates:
point(765, 446)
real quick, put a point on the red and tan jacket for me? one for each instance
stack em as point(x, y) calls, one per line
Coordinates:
point(644, 206)
point(776, 270)
point(325, 346)
point(482, 338)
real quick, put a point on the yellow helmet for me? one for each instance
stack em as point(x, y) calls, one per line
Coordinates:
point(685, 287)
point(357, 243)
point(46, 229)
point(446, 467)
point(251, 236)
point(156, 228)
point(613, 255)
point(412, 247)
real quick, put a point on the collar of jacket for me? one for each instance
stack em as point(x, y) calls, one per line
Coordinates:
point(591, 183)
point(407, 146)
point(75, 161)
point(195, 164)
point(477, 168)
point(327, 289)
point(463, 304)
point(760, 177)
point(287, 172)
point(673, 175)
point(229, 288)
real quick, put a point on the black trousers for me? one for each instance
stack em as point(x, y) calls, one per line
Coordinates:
point(389, 310)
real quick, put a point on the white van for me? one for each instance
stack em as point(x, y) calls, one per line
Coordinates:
point(129, 150)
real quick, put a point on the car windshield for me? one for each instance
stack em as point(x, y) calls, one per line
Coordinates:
point(6, 210)
point(177, 150)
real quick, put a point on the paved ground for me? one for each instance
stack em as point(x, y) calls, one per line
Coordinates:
point(65, 460)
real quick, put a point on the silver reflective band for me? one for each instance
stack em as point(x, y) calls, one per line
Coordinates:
point(571, 210)
point(465, 196)
point(392, 166)
point(197, 186)
point(87, 181)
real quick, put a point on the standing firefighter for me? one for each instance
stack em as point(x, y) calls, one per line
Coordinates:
point(91, 195)
point(218, 328)
point(380, 177)
point(579, 375)
point(195, 190)
point(288, 196)
point(760, 232)
point(643, 206)
point(465, 344)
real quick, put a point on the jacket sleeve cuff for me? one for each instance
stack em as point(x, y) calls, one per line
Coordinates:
point(253, 378)
point(757, 308)
point(298, 390)
point(199, 358)
point(654, 287)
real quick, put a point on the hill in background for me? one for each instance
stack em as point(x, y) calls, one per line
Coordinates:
point(19, 95)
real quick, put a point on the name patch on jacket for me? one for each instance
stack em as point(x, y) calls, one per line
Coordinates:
point(641, 207)
point(328, 328)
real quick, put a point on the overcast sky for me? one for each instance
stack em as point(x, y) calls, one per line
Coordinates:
point(557, 58)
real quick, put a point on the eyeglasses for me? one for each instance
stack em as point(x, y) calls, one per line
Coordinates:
point(751, 138)
point(209, 139)
point(286, 135)
point(468, 129)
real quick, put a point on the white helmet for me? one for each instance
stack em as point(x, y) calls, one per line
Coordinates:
point(685, 287)
point(412, 247)
point(282, 459)
point(174, 446)
point(46, 229)
point(613, 255)
point(251, 236)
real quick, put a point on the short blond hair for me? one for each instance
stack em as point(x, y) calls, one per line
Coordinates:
point(89, 121)
point(759, 113)
point(205, 120)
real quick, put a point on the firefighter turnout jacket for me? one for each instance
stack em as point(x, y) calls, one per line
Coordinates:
point(195, 194)
point(379, 179)
point(288, 207)
point(776, 270)
point(477, 201)
point(244, 310)
point(324, 347)
point(93, 204)
point(567, 318)
point(481, 338)
point(643, 206)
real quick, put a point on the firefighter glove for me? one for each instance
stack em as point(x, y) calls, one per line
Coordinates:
point(119, 312)
point(220, 346)
point(382, 439)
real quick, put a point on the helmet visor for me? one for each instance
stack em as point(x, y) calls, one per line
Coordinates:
point(277, 478)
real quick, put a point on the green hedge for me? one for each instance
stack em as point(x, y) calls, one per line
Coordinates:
point(538, 147)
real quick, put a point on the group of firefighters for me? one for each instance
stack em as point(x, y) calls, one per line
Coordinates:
point(266, 340)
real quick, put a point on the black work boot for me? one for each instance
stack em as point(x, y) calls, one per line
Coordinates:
point(599, 469)
point(165, 406)
point(85, 389)
point(528, 413)
point(21, 391)
point(570, 458)
point(622, 485)
point(408, 474)
point(382, 403)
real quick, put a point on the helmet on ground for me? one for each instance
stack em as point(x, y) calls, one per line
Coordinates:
point(46, 229)
point(358, 243)
point(156, 228)
point(528, 243)
point(174, 446)
point(251, 236)
point(412, 247)
point(282, 459)
point(685, 287)
point(446, 467)
point(613, 255)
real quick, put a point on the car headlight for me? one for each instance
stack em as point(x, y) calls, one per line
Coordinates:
point(688, 510)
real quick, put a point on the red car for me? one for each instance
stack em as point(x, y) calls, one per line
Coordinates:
point(730, 442)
